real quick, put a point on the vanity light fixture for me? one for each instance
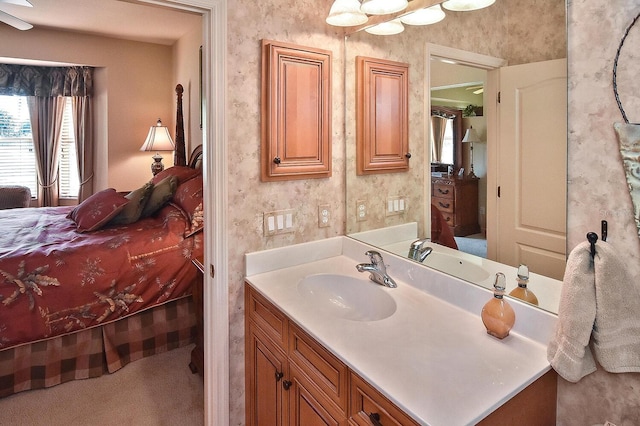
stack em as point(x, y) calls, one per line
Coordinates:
point(471, 136)
point(386, 28)
point(346, 13)
point(157, 140)
point(383, 7)
point(426, 16)
point(466, 5)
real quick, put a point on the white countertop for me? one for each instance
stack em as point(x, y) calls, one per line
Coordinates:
point(432, 357)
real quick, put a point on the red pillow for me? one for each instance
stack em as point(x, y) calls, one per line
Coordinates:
point(182, 173)
point(97, 210)
point(188, 197)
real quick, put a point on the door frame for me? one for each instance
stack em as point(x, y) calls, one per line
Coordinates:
point(491, 64)
point(214, 144)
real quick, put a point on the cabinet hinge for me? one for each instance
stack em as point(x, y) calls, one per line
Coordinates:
point(498, 192)
point(498, 97)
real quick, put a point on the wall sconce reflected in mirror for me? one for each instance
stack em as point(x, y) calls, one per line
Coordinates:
point(158, 140)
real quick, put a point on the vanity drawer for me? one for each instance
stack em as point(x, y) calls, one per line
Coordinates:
point(270, 320)
point(322, 367)
point(442, 190)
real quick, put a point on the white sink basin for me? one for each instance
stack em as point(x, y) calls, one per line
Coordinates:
point(456, 266)
point(356, 299)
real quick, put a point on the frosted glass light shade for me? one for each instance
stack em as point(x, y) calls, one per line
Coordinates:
point(426, 16)
point(346, 13)
point(383, 7)
point(386, 28)
point(466, 5)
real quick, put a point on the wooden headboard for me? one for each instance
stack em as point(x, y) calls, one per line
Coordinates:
point(195, 159)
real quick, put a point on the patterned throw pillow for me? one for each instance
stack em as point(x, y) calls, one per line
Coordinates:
point(133, 210)
point(188, 198)
point(160, 195)
point(182, 173)
point(97, 210)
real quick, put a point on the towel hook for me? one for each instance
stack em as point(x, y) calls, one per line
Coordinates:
point(592, 237)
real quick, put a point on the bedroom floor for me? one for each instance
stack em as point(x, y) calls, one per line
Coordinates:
point(158, 390)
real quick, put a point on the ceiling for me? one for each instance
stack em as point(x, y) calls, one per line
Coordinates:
point(112, 18)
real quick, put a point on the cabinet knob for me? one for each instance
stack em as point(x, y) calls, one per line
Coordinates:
point(286, 384)
point(408, 155)
point(279, 376)
point(277, 160)
point(375, 419)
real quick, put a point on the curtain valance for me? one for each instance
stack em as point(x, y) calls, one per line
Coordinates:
point(26, 80)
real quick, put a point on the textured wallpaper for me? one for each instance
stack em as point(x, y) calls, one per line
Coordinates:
point(597, 188)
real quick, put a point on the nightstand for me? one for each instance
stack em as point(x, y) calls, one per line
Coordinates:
point(197, 354)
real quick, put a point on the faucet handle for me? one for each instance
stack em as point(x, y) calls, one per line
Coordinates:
point(376, 257)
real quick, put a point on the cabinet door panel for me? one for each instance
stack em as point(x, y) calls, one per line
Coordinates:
point(309, 406)
point(382, 111)
point(267, 404)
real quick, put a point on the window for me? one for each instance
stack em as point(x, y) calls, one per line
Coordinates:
point(17, 155)
point(447, 144)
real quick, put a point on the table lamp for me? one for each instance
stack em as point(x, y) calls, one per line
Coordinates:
point(157, 140)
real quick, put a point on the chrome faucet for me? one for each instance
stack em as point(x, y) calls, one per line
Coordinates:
point(377, 270)
point(418, 251)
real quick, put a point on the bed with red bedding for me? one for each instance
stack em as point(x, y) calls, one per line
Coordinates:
point(56, 281)
point(85, 290)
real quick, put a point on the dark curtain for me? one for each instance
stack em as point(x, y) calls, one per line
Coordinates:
point(46, 88)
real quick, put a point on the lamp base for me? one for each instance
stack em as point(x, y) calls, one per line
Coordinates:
point(157, 166)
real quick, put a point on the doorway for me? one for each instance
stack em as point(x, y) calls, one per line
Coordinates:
point(216, 293)
point(474, 76)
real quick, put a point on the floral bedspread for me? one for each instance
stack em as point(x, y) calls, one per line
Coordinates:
point(54, 280)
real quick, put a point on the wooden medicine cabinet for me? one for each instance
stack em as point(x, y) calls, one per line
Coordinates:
point(382, 116)
point(296, 112)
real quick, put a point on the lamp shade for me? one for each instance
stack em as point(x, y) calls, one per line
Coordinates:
point(466, 5)
point(383, 7)
point(346, 13)
point(386, 28)
point(158, 139)
point(471, 136)
point(426, 16)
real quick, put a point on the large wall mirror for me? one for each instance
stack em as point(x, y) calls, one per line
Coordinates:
point(448, 62)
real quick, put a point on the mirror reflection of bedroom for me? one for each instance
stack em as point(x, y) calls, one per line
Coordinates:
point(101, 214)
point(457, 99)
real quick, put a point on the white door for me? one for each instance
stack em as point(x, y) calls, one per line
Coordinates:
point(532, 159)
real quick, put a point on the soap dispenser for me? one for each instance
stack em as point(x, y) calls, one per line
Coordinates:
point(497, 315)
point(522, 292)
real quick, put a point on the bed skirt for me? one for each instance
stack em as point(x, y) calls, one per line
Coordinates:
point(99, 350)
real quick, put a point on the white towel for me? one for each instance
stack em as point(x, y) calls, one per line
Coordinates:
point(599, 304)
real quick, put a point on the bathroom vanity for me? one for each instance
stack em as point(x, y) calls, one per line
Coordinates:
point(324, 345)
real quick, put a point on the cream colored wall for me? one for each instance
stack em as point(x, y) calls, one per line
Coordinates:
point(134, 88)
point(597, 188)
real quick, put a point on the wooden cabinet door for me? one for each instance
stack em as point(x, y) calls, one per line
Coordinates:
point(382, 116)
point(296, 112)
point(266, 369)
point(308, 405)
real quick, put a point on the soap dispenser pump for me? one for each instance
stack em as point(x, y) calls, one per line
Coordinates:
point(497, 315)
point(522, 292)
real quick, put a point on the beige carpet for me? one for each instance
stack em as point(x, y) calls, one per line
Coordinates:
point(158, 390)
